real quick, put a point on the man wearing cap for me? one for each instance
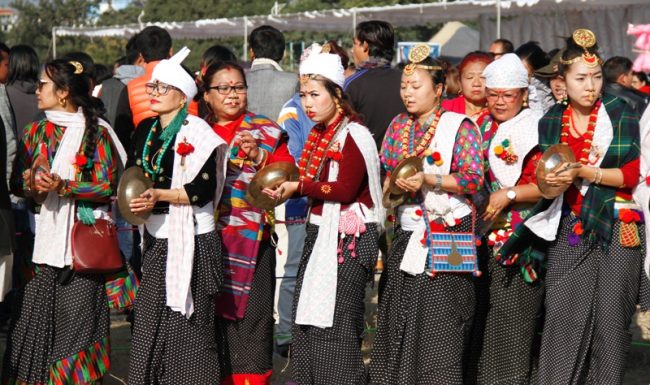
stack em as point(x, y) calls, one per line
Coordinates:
point(552, 74)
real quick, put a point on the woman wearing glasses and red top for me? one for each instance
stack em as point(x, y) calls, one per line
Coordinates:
point(507, 303)
point(245, 307)
point(173, 331)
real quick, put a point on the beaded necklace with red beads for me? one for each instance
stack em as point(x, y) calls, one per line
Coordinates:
point(587, 137)
point(313, 153)
point(423, 144)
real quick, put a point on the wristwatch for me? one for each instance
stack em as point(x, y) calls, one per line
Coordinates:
point(511, 194)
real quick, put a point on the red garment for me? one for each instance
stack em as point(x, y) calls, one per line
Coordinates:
point(456, 104)
point(248, 379)
point(630, 172)
point(351, 185)
point(645, 89)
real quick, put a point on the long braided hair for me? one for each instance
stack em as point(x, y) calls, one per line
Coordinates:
point(68, 76)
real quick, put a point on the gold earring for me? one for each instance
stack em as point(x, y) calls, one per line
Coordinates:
point(63, 102)
point(525, 103)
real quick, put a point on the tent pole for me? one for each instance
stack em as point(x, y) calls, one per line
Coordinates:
point(53, 42)
point(245, 38)
point(498, 19)
point(354, 21)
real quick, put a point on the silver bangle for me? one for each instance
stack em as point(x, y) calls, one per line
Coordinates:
point(438, 185)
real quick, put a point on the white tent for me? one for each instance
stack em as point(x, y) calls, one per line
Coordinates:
point(489, 12)
point(456, 39)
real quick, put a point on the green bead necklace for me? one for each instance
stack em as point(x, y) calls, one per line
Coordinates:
point(166, 136)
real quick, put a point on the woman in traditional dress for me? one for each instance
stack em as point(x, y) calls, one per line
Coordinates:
point(245, 307)
point(173, 330)
point(61, 331)
point(339, 172)
point(471, 101)
point(508, 304)
point(424, 317)
point(595, 256)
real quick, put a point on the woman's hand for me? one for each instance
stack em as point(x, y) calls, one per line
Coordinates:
point(248, 145)
point(145, 202)
point(48, 182)
point(497, 202)
point(282, 192)
point(412, 183)
point(566, 174)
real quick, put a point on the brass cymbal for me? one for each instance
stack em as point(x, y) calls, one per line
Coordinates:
point(550, 162)
point(390, 200)
point(405, 169)
point(270, 176)
point(41, 165)
point(132, 183)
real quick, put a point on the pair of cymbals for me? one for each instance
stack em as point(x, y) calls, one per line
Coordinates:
point(132, 183)
point(395, 196)
point(40, 166)
point(271, 176)
point(551, 160)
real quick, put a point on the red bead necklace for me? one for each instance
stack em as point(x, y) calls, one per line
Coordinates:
point(568, 125)
point(313, 154)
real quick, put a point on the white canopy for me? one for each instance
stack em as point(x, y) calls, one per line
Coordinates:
point(346, 19)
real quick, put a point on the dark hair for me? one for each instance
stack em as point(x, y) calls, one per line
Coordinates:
point(507, 45)
point(615, 67)
point(267, 42)
point(86, 61)
point(338, 50)
point(79, 86)
point(572, 51)
point(23, 64)
point(642, 76)
point(533, 54)
point(205, 79)
point(437, 75)
point(336, 92)
point(4, 48)
point(153, 43)
point(102, 72)
point(132, 51)
point(380, 37)
point(474, 57)
point(452, 81)
point(217, 53)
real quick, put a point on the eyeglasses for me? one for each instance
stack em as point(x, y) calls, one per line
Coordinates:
point(226, 90)
point(160, 88)
point(508, 96)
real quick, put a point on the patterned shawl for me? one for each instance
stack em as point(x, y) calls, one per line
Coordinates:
point(597, 211)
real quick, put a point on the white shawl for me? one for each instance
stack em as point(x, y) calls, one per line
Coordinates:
point(180, 247)
point(642, 191)
point(318, 294)
point(54, 223)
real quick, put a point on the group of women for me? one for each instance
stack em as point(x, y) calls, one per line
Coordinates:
point(204, 310)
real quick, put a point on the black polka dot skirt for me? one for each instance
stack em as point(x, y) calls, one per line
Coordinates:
point(591, 296)
point(246, 345)
point(504, 343)
point(60, 333)
point(325, 356)
point(167, 347)
point(423, 323)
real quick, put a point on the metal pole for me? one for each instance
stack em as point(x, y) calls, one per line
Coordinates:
point(245, 38)
point(498, 19)
point(354, 21)
point(53, 42)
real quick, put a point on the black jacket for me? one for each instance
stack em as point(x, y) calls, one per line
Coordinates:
point(633, 98)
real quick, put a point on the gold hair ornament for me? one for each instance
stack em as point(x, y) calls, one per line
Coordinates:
point(78, 67)
point(327, 48)
point(417, 55)
point(585, 39)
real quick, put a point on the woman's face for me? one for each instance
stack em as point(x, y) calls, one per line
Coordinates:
point(48, 98)
point(505, 104)
point(472, 82)
point(558, 87)
point(418, 92)
point(227, 94)
point(318, 104)
point(164, 98)
point(583, 84)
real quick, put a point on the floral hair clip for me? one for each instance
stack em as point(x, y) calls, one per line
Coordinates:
point(417, 55)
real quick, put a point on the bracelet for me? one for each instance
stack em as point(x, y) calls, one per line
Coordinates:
point(301, 185)
point(63, 190)
point(599, 175)
point(438, 185)
point(261, 156)
point(178, 196)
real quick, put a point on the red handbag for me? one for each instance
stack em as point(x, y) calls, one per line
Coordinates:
point(95, 249)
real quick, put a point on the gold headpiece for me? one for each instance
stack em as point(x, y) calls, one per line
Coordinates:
point(327, 48)
point(417, 55)
point(585, 39)
point(78, 67)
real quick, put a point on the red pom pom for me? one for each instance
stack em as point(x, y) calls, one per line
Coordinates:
point(80, 160)
point(647, 180)
point(418, 212)
point(436, 227)
point(391, 218)
point(577, 229)
point(185, 148)
point(478, 243)
point(625, 215)
point(436, 156)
